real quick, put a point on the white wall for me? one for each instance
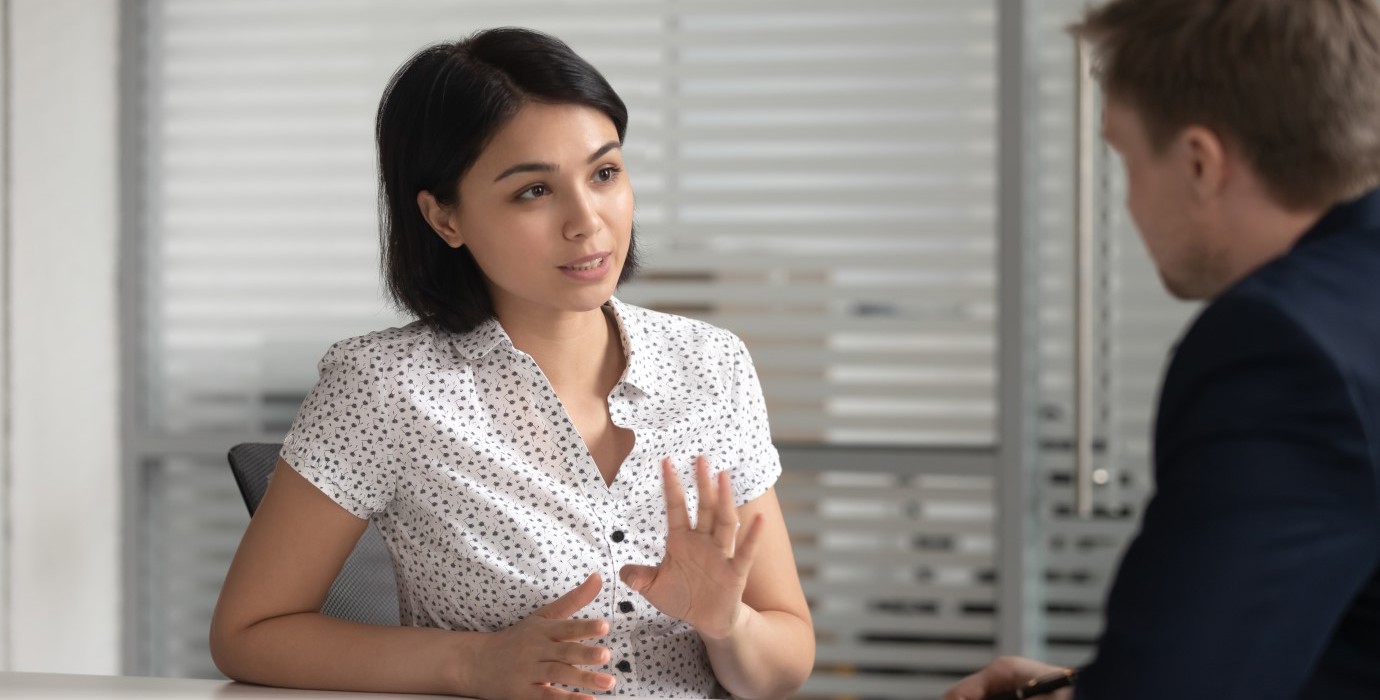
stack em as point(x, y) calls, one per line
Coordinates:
point(63, 443)
point(4, 357)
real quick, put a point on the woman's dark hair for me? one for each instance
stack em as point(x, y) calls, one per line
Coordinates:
point(438, 113)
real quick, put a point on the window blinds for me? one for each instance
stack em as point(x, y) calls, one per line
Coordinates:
point(818, 179)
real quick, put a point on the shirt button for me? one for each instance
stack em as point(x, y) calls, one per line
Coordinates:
point(617, 536)
point(624, 666)
point(625, 606)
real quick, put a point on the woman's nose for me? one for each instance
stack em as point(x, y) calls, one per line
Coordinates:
point(582, 216)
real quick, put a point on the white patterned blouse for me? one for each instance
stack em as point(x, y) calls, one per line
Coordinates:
point(457, 447)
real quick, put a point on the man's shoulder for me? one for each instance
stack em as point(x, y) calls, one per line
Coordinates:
point(1294, 341)
point(1326, 292)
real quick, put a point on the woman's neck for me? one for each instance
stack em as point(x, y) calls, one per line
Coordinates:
point(578, 352)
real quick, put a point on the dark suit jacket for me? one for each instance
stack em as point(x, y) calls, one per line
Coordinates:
point(1256, 572)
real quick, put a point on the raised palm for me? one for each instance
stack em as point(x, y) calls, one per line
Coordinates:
point(701, 577)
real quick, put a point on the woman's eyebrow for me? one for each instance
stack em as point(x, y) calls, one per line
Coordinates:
point(603, 150)
point(527, 168)
point(549, 168)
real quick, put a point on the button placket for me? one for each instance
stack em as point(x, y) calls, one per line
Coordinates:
point(622, 625)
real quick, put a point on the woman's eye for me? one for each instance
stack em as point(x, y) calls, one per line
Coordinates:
point(533, 192)
point(607, 173)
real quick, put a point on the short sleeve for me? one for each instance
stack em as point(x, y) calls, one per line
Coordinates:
point(758, 463)
point(339, 440)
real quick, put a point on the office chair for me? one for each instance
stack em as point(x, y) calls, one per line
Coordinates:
point(366, 590)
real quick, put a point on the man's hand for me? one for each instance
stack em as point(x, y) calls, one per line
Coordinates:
point(1006, 673)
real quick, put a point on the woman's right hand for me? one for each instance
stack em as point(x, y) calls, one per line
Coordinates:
point(523, 662)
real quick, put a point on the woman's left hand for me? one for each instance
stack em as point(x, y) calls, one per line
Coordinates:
point(701, 578)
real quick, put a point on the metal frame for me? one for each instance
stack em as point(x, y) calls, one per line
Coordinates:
point(6, 348)
point(1020, 594)
point(133, 156)
point(1085, 283)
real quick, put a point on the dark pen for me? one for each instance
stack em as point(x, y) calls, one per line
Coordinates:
point(1039, 686)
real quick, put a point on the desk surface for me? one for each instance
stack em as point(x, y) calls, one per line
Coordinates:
point(61, 685)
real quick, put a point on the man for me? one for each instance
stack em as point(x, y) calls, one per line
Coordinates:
point(1250, 134)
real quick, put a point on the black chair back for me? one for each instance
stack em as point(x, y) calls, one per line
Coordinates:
point(366, 590)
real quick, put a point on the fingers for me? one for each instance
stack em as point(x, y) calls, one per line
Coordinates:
point(560, 653)
point(677, 516)
point(708, 496)
point(562, 668)
point(638, 577)
point(974, 687)
point(726, 516)
point(525, 660)
point(556, 673)
point(576, 630)
point(574, 654)
point(715, 515)
point(565, 674)
point(574, 599)
point(562, 660)
point(1004, 673)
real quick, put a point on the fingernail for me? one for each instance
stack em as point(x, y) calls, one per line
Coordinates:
point(606, 682)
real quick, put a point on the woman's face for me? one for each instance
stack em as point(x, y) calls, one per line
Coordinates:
point(547, 211)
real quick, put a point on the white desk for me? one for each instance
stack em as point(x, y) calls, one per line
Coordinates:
point(61, 685)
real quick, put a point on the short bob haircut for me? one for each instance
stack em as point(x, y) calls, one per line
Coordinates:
point(438, 113)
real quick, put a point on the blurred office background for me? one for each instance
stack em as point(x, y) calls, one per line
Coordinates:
point(879, 196)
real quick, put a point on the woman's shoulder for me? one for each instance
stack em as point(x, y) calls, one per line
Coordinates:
point(668, 331)
point(389, 344)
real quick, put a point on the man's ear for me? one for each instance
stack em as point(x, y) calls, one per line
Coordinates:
point(1205, 159)
point(442, 218)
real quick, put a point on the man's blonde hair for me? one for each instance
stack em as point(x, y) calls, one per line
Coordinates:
point(1294, 85)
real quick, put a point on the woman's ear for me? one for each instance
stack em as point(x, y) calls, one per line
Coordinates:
point(443, 219)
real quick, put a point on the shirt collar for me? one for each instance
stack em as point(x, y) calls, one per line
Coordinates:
point(635, 346)
point(484, 338)
point(481, 340)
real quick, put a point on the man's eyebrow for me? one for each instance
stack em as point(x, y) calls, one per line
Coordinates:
point(549, 168)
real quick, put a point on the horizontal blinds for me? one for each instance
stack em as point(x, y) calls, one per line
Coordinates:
point(817, 178)
point(898, 570)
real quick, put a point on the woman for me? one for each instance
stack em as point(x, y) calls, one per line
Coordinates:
point(522, 445)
